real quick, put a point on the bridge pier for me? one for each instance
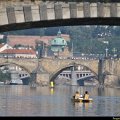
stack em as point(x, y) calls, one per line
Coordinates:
point(101, 72)
point(42, 79)
point(40, 76)
point(73, 76)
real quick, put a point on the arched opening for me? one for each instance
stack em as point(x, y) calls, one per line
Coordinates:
point(83, 73)
point(16, 75)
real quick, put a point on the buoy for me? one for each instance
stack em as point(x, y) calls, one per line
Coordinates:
point(51, 84)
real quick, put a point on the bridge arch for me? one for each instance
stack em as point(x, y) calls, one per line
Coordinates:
point(11, 63)
point(60, 22)
point(55, 74)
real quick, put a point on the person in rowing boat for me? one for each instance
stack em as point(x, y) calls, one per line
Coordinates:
point(77, 95)
point(86, 95)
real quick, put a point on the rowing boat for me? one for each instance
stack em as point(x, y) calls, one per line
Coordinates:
point(82, 100)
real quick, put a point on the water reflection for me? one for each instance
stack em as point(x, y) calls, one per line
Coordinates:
point(83, 106)
point(101, 91)
point(82, 109)
point(51, 91)
point(86, 106)
point(43, 101)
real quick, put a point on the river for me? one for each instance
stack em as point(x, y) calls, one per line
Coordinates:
point(21, 100)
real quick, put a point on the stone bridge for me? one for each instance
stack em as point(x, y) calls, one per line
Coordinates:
point(47, 69)
point(27, 64)
point(24, 14)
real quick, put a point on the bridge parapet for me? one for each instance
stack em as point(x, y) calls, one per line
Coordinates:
point(52, 65)
point(15, 13)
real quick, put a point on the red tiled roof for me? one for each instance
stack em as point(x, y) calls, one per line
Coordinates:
point(30, 40)
point(18, 51)
point(1, 45)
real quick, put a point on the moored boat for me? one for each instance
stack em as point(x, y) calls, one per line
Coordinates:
point(1, 83)
point(25, 80)
point(16, 82)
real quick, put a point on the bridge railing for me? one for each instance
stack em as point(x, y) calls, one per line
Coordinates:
point(20, 15)
point(105, 1)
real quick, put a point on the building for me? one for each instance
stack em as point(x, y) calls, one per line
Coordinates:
point(30, 41)
point(58, 45)
point(4, 47)
point(18, 53)
point(42, 44)
point(65, 54)
point(1, 36)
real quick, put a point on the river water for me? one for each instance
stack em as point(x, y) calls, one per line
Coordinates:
point(21, 100)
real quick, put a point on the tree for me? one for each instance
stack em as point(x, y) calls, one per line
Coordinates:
point(4, 76)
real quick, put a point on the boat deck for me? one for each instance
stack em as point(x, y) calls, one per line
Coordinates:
point(82, 100)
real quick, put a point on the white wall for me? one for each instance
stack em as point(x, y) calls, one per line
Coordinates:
point(6, 46)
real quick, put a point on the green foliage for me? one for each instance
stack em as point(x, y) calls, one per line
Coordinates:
point(4, 76)
point(4, 40)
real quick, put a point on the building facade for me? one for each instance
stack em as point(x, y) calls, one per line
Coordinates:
point(4, 47)
point(18, 53)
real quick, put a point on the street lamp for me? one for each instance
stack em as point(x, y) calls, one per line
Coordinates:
point(72, 49)
point(39, 45)
point(106, 52)
point(114, 51)
point(7, 47)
